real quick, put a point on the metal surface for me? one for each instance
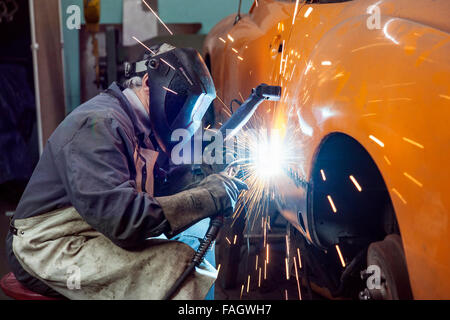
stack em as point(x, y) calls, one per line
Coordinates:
point(387, 87)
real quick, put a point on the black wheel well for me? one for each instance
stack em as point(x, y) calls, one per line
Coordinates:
point(361, 217)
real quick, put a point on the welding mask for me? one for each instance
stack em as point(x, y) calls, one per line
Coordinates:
point(181, 90)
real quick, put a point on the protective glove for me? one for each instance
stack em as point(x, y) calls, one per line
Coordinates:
point(224, 190)
point(217, 194)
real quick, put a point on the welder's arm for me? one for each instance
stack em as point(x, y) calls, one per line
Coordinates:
point(96, 174)
point(217, 194)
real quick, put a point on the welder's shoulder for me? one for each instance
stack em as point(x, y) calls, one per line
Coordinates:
point(101, 115)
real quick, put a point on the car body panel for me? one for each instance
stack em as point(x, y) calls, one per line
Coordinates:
point(387, 87)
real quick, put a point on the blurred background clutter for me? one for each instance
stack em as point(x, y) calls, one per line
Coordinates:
point(57, 54)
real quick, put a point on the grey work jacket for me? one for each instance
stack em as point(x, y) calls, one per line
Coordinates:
point(91, 162)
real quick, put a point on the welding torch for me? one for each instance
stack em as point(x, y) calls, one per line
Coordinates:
point(228, 130)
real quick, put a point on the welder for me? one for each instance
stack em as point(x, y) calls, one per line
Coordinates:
point(93, 222)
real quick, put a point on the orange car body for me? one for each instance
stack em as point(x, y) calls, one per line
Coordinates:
point(377, 71)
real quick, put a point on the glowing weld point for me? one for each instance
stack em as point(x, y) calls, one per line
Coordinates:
point(230, 37)
point(332, 204)
point(356, 183)
point(169, 90)
point(340, 256)
point(158, 17)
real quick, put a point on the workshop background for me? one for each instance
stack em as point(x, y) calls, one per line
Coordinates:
point(48, 67)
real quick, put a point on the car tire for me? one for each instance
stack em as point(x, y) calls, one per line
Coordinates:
point(389, 256)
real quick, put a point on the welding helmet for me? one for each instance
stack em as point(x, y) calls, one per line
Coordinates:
point(181, 90)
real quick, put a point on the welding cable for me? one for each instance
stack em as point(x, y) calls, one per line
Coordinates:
point(199, 256)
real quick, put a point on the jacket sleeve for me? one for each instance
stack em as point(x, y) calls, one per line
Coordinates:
point(95, 171)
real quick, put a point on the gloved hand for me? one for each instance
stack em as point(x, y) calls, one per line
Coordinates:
point(217, 194)
point(224, 190)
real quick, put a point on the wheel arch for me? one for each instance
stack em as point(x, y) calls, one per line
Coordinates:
point(340, 156)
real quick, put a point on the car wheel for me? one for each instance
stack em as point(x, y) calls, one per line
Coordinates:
point(389, 256)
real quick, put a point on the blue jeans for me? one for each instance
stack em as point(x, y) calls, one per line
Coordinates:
point(192, 237)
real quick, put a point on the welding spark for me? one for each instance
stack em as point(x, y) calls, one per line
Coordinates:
point(340, 256)
point(265, 270)
point(259, 278)
point(228, 240)
point(167, 63)
point(308, 12)
point(256, 267)
point(287, 246)
point(157, 17)
point(377, 141)
point(413, 179)
point(142, 44)
point(297, 279)
point(286, 294)
point(356, 183)
point(222, 39)
point(332, 204)
point(242, 291)
point(414, 143)
point(324, 178)
point(230, 37)
point(170, 90)
point(218, 268)
point(295, 12)
point(225, 107)
point(248, 283)
point(287, 268)
point(299, 259)
point(235, 239)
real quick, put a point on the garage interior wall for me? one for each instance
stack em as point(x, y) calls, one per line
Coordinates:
point(207, 12)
